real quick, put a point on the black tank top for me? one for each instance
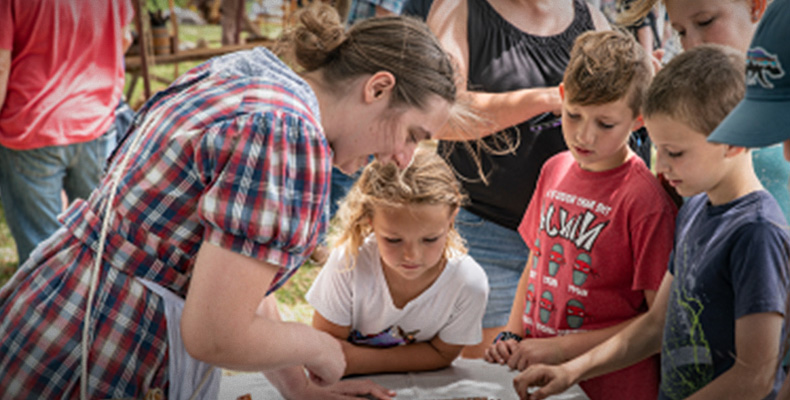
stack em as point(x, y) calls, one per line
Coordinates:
point(503, 58)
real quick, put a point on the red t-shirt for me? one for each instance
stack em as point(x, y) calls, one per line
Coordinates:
point(598, 240)
point(66, 72)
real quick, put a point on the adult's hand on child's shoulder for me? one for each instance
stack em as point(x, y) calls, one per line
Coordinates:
point(550, 379)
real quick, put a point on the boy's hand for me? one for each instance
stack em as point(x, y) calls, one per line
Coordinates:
point(500, 352)
point(550, 379)
point(535, 351)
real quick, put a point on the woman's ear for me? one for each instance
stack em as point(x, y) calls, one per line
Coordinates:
point(379, 86)
point(562, 91)
point(757, 9)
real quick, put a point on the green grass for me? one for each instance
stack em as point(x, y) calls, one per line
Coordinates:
point(8, 258)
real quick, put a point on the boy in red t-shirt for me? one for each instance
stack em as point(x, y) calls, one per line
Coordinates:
point(599, 225)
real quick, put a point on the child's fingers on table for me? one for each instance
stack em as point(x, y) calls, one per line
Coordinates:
point(542, 376)
point(499, 352)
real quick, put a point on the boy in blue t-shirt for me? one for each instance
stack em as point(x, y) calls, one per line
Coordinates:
point(718, 316)
point(761, 119)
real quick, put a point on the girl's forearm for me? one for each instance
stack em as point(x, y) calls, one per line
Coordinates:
point(407, 358)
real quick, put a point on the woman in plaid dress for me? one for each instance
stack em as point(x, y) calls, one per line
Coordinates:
point(221, 193)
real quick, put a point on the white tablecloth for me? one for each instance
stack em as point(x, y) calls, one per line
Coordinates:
point(465, 378)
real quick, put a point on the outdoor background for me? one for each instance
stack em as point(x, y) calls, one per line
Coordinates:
point(291, 296)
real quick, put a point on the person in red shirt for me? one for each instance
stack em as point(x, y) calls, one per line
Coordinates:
point(61, 78)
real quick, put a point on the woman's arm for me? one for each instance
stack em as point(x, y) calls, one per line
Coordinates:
point(224, 323)
point(635, 342)
point(757, 338)
point(447, 20)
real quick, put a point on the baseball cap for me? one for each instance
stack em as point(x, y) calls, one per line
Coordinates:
point(762, 118)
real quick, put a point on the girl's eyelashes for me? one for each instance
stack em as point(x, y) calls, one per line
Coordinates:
point(393, 240)
point(705, 22)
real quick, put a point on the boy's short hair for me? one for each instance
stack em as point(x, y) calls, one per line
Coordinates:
point(607, 66)
point(699, 87)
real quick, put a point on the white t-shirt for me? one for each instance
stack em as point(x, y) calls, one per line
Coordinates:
point(452, 307)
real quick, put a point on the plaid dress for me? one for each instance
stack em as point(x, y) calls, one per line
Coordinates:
point(233, 154)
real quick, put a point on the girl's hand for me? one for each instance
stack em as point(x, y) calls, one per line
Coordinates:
point(501, 351)
point(535, 351)
point(550, 379)
point(329, 364)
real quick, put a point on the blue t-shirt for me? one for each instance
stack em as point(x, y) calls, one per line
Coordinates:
point(728, 261)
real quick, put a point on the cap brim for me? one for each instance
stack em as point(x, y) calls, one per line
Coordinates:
point(754, 123)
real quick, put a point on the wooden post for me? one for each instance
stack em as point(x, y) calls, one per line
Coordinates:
point(142, 34)
point(174, 24)
point(239, 15)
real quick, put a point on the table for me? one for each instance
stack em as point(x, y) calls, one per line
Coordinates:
point(465, 378)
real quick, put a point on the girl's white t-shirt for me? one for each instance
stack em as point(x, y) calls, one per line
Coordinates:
point(452, 307)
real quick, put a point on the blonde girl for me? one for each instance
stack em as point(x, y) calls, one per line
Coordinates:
point(398, 290)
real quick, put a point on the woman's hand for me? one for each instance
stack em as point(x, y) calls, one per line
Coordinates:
point(550, 379)
point(345, 390)
point(361, 387)
point(329, 364)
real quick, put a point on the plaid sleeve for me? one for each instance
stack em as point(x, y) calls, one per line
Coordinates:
point(267, 179)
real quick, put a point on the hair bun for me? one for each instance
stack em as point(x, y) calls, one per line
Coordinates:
point(317, 35)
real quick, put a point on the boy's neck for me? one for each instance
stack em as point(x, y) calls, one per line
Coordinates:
point(739, 180)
